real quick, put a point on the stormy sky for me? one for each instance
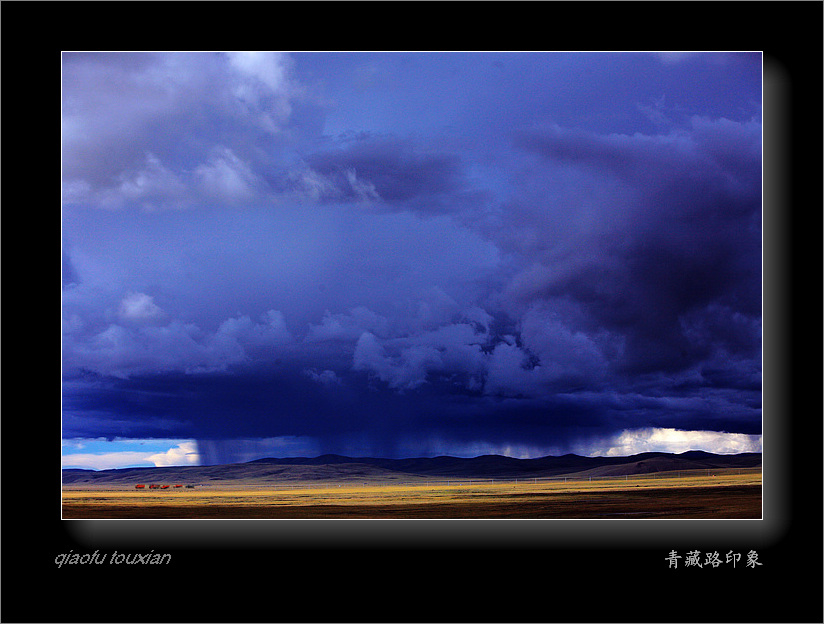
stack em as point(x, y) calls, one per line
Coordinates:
point(409, 254)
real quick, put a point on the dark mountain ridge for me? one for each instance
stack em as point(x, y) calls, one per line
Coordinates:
point(342, 468)
point(499, 465)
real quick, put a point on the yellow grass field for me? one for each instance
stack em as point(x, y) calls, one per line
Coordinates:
point(722, 494)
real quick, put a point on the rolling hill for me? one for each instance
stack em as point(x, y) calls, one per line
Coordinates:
point(341, 469)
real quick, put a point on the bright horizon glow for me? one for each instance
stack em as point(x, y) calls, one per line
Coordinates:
point(102, 454)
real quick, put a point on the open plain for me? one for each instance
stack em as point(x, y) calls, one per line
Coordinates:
point(720, 493)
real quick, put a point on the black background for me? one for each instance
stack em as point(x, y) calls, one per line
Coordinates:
point(401, 579)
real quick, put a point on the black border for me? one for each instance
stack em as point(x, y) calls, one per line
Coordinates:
point(417, 570)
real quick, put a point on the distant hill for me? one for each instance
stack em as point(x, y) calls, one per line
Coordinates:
point(340, 468)
point(500, 466)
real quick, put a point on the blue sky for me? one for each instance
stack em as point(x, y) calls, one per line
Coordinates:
point(402, 254)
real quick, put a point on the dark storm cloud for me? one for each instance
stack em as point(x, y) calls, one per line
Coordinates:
point(388, 169)
point(356, 413)
point(497, 269)
point(682, 245)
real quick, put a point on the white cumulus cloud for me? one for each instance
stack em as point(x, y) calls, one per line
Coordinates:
point(668, 440)
point(183, 454)
point(137, 306)
point(228, 177)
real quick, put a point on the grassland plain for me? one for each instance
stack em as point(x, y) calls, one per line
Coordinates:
point(720, 494)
